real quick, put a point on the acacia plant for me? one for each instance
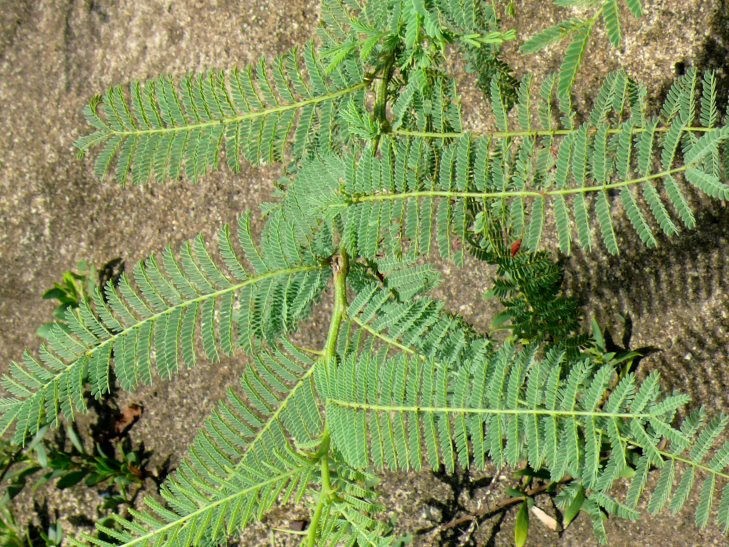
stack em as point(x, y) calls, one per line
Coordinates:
point(382, 179)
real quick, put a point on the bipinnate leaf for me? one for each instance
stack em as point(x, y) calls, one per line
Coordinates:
point(168, 130)
point(153, 322)
point(582, 177)
point(244, 461)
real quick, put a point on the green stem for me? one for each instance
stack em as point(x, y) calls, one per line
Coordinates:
point(517, 193)
point(464, 411)
point(379, 112)
point(340, 265)
point(326, 493)
point(308, 350)
point(380, 109)
point(277, 109)
point(534, 133)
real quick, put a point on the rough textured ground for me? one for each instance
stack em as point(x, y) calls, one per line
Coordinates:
point(54, 55)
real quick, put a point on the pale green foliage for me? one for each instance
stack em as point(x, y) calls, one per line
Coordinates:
point(162, 130)
point(509, 407)
point(261, 443)
point(532, 168)
point(154, 322)
point(221, 484)
point(416, 197)
point(412, 36)
point(381, 175)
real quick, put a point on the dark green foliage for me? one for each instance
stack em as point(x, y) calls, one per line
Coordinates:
point(487, 68)
point(529, 286)
point(45, 460)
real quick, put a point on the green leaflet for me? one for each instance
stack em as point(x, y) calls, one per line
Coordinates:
point(610, 15)
point(531, 173)
point(573, 56)
point(635, 7)
point(550, 35)
point(412, 413)
point(152, 323)
point(245, 457)
point(164, 130)
point(416, 326)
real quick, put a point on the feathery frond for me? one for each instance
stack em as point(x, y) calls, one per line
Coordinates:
point(406, 277)
point(246, 459)
point(155, 321)
point(417, 326)
point(523, 176)
point(511, 407)
point(164, 130)
point(551, 35)
point(572, 61)
point(506, 406)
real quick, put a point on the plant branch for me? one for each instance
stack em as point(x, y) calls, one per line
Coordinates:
point(379, 112)
point(419, 410)
point(535, 133)
point(340, 267)
point(518, 193)
point(326, 493)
